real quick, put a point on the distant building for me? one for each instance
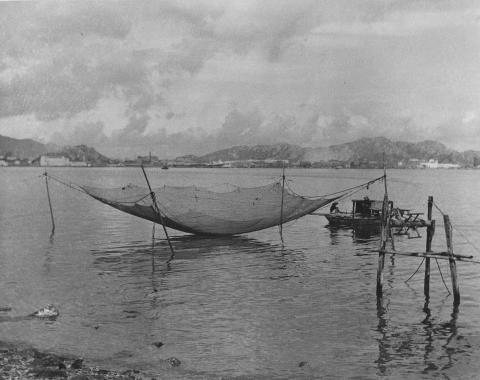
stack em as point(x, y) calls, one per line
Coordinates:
point(433, 164)
point(54, 160)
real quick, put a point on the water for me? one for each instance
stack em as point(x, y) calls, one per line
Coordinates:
point(241, 306)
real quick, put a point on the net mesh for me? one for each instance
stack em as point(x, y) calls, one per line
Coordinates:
point(202, 211)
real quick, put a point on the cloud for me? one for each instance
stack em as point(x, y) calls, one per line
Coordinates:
point(166, 73)
point(91, 132)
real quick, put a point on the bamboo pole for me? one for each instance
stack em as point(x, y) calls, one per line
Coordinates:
point(428, 248)
point(49, 202)
point(157, 211)
point(451, 260)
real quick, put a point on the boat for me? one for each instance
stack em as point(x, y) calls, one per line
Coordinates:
point(367, 214)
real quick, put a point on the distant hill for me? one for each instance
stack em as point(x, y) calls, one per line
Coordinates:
point(27, 148)
point(358, 151)
point(24, 148)
point(84, 153)
point(258, 152)
point(364, 149)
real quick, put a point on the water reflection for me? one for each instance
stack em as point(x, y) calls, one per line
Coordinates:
point(434, 345)
point(358, 235)
point(154, 260)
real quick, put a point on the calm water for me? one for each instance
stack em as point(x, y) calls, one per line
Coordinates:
point(242, 306)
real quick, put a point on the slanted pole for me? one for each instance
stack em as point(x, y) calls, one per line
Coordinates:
point(451, 260)
point(49, 202)
point(428, 248)
point(157, 211)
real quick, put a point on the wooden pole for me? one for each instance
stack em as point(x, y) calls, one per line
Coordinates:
point(281, 206)
point(384, 236)
point(428, 248)
point(434, 255)
point(49, 202)
point(157, 211)
point(453, 265)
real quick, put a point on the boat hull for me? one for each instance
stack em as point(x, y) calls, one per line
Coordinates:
point(348, 220)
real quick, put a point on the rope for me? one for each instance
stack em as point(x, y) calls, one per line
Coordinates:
point(459, 231)
point(74, 186)
point(467, 240)
point(441, 275)
point(438, 208)
point(71, 185)
point(414, 273)
point(346, 192)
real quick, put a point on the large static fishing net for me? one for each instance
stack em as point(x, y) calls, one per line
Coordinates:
point(201, 211)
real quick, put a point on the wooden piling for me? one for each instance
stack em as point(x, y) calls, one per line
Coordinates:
point(451, 260)
point(430, 232)
point(384, 237)
point(49, 202)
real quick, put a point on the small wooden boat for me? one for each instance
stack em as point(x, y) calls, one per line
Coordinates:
point(367, 213)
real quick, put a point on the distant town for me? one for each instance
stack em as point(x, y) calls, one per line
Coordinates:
point(365, 153)
point(190, 161)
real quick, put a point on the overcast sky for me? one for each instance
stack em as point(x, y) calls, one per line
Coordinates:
point(177, 77)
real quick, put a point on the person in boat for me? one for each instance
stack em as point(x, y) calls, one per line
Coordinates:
point(334, 208)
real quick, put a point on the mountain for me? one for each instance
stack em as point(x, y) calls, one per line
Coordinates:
point(24, 148)
point(27, 148)
point(84, 153)
point(284, 151)
point(358, 151)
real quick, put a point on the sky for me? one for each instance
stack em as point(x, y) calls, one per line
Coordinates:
point(179, 77)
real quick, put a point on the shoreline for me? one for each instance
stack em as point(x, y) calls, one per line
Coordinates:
point(20, 361)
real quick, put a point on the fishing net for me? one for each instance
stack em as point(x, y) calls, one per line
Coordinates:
point(201, 211)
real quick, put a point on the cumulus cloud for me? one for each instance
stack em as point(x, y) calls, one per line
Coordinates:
point(163, 75)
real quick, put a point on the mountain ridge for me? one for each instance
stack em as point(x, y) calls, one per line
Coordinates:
point(362, 150)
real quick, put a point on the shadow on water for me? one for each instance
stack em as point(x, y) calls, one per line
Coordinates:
point(139, 258)
point(436, 346)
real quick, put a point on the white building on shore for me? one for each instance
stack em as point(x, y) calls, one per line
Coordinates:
point(433, 164)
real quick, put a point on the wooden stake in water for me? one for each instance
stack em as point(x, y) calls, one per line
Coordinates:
point(384, 236)
point(49, 202)
point(428, 248)
point(157, 211)
point(281, 205)
point(453, 265)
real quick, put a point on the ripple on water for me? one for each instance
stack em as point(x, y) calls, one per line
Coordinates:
point(246, 305)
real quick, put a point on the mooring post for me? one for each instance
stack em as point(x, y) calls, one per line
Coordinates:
point(451, 260)
point(49, 202)
point(428, 248)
